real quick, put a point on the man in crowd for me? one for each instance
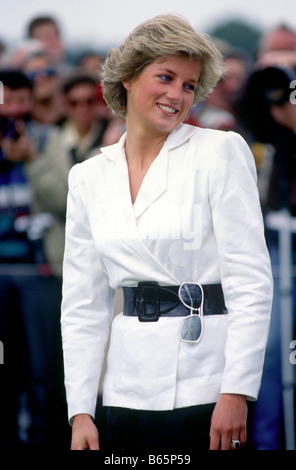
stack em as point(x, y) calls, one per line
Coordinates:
point(83, 129)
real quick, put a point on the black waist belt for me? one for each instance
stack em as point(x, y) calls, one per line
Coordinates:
point(148, 301)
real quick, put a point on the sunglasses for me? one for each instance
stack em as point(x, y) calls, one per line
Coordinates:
point(48, 72)
point(86, 102)
point(192, 297)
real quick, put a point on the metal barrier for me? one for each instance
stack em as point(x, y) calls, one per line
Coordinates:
point(285, 225)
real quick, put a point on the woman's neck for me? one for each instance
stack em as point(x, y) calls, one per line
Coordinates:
point(141, 150)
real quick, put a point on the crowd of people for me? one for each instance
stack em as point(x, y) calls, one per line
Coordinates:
point(54, 116)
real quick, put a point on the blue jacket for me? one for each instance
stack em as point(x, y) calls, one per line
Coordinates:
point(15, 201)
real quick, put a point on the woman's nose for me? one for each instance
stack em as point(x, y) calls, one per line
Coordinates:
point(175, 92)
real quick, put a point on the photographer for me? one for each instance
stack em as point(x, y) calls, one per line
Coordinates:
point(33, 189)
point(269, 114)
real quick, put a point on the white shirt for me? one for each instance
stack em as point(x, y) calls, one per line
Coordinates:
point(197, 217)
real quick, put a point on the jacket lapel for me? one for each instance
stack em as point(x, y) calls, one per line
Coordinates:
point(155, 181)
point(156, 178)
point(117, 198)
point(153, 185)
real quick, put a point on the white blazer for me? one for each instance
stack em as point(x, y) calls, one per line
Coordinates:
point(197, 217)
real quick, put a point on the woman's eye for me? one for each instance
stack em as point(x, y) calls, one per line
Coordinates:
point(164, 78)
point(190, 87)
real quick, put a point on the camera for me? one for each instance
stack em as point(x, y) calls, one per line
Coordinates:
point(264, 88)
point(273, 84)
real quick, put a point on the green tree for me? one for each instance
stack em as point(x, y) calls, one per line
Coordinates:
point(239, 34)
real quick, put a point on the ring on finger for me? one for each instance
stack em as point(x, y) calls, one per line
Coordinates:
point(235, 443)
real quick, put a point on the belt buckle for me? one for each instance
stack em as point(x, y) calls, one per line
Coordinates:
point(148, 295)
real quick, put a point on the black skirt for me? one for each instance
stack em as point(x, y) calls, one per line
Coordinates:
point(140, 430)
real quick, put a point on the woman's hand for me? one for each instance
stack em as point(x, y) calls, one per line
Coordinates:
point(84, 433)
point(229, 422)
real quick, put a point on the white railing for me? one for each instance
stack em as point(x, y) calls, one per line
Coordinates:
point(285, 225)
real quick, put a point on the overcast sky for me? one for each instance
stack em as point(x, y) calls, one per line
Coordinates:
point(108, 22)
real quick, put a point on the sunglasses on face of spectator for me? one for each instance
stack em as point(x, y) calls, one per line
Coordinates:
point(83, 101)
point(47, 72)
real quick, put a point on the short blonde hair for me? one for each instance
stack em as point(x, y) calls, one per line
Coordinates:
point(161, 37)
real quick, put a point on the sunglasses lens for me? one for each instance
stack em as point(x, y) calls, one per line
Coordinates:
point(191, 295)
point(190, 329)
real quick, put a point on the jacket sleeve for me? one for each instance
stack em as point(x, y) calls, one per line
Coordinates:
point(87, 307)
point(244, 264)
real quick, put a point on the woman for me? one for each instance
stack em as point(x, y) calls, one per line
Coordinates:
point(170, 203)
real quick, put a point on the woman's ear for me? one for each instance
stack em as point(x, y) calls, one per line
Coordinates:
point(126, 84)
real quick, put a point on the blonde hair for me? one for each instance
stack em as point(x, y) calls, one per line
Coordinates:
point(161, 37)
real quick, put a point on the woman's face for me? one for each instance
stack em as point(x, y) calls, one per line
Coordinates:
point(159, 99)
